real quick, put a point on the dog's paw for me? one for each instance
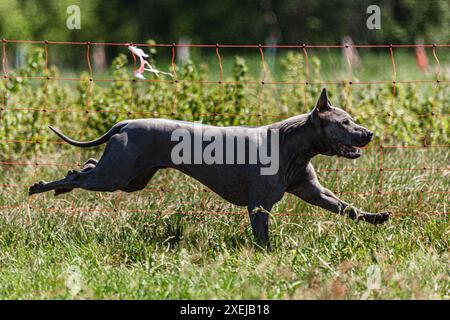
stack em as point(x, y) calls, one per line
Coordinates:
point(377, 218)
point(36, 188)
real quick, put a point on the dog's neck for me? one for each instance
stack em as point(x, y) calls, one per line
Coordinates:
point(302, 135)
point(300, 140)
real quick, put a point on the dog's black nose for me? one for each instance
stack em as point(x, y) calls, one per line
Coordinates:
point(369, 133)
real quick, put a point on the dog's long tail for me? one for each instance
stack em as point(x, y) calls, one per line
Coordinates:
point(115, 129)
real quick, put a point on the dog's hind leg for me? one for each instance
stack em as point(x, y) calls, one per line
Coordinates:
point(118, 165)
point(88, 166)
point(72, 180)
point(94, 180)
point(88, 178)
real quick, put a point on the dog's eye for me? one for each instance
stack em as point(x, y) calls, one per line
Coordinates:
point(345, 122)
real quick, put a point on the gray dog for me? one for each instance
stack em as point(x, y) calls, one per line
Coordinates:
point(136, 149)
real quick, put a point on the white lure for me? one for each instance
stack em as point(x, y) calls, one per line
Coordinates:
point(143, 63)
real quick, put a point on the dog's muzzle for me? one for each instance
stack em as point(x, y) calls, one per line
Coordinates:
point(353, 151)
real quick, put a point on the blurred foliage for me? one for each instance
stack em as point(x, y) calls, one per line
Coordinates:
point(232, 21)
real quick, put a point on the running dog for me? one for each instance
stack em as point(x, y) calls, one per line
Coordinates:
point(136, 149)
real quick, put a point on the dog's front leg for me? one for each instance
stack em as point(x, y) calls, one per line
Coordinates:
point(313, 193)
point(259, 219)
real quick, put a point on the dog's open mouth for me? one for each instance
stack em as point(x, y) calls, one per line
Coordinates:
point(348, 151)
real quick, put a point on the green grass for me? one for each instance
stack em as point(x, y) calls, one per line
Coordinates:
point(161, 253)
point(146, 245)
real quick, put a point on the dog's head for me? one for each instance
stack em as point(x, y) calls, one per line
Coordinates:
point(340, 134)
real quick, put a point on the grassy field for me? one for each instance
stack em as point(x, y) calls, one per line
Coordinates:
point(97, 252)
point(178, 240)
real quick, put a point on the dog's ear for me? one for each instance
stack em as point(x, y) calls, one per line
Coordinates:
point(323, 104)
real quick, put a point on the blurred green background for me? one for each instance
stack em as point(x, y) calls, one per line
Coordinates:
point(231, 21)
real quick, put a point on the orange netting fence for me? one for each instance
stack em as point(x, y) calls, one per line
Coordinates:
point(263, 82)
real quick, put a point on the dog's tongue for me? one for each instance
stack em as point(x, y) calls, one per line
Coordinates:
point(350, 151)
point(348, 148)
